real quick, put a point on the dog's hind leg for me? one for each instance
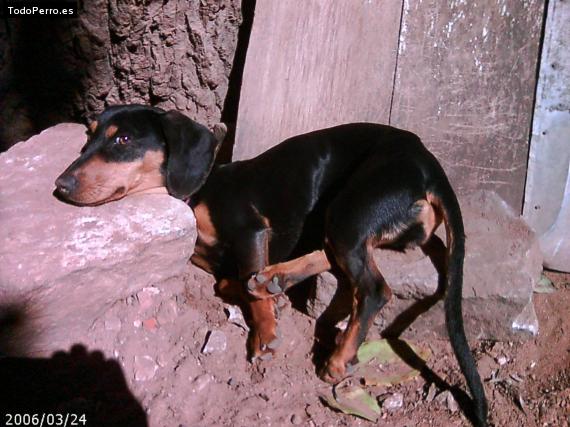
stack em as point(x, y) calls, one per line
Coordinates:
point(377, 206)
point(370, 293)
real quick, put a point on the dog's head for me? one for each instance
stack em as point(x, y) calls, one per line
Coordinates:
point(133, 148)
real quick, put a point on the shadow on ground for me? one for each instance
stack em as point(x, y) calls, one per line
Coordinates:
point(77, 382)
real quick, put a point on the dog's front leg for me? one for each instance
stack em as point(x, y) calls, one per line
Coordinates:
point(277, 278)
point(252, 253)
point(260, 315)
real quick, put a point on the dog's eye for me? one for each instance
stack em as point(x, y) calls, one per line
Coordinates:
point(122, 140)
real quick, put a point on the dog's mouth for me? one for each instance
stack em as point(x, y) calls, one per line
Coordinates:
point(118, 194)
point(85, 199)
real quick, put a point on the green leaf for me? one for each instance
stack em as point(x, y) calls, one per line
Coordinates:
point(379, 365)
point(378, 349)
point(544, 286)
point(353, 400)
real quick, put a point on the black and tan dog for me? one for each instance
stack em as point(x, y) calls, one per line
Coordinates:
point(354, 187)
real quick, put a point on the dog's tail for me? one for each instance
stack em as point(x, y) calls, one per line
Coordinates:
point(446, 202)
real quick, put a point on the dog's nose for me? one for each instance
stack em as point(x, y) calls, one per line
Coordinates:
point(66, 184)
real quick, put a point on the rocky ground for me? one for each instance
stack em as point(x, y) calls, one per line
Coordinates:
point(179, 360)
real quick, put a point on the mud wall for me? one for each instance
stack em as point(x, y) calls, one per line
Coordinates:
point(174, 54)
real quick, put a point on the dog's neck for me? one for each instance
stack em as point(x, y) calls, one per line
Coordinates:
point(195, 198)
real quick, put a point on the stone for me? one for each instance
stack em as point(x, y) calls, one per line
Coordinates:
point(216, 342)
point(150, 324)
point(235, 316)
point(447, 399)
point(66, 265)
point(201, 382)
point(503, 263)
point(145, 367)
point(145, 297)
point(162, 359)
point(393, 402)
point(452, 403)
point(167, 313)
point(502, 360)
point(296, 420)
point(487, 366)
point(325, 290)
point(112, 323)
point(431, 392)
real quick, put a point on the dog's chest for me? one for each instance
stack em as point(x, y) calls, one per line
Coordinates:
point(204, 251)
point(207, 234)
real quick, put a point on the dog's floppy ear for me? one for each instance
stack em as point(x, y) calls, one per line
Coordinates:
point(191, 150)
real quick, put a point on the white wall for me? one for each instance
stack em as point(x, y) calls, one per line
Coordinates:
point(547, 196)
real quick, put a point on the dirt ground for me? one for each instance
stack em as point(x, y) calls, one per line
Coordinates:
point(179, 360)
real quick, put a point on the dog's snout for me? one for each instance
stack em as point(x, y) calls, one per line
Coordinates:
point(66, 184)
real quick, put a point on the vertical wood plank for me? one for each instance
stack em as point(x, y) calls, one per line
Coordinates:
point(314, 64)
point(465, 83)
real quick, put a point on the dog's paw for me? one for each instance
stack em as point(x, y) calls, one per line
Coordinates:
point(265, 285)
point(264, 346)
point(334, 371)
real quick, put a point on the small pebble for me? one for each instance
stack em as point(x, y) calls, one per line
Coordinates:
point(150, 324)
point(235, 316)
point(452, 403)
point(167, 313)
point(431, 392)
point(296, 420)
point(162, 360)
point(393, 402)
point(144, 368)
point(145, 297)
point(112, 324)
point(201, 382)
point(502, 360)
point(216, 342)
point(447, 399)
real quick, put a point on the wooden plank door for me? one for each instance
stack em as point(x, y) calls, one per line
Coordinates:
point(313, 64)
point(464, 80)
point(465, 83)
